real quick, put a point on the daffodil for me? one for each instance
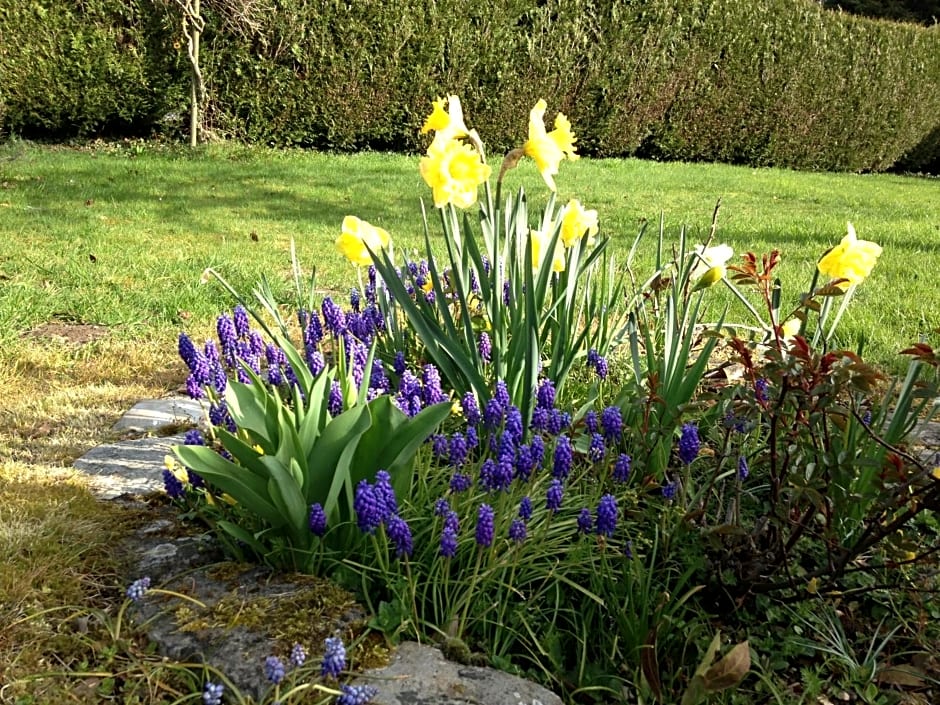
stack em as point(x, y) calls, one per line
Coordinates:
point(852, 260)
point(709, 265)
point(447, 124)
point(356, 236)
point(576, 222)
point(454, 171)
point(540, 243)
point(548, 149)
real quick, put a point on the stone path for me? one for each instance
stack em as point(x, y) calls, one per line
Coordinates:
point(130, 470)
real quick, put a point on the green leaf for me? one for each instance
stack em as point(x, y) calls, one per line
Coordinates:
point(240, 534)
point(249, 490)
point(287, 496)
point(339, 436)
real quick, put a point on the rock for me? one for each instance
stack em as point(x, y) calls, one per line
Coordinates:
point(420, 675)
point(156, 414)
point(127, 467)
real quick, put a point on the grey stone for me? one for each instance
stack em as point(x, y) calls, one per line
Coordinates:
point(156, 414)
point(127, 467)
point(420, 675)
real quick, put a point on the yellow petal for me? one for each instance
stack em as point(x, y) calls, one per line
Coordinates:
point(447, 124)
point(852, 259)
point(576, 222)
point(549, 149)
point(356, 235)
point(454, 171)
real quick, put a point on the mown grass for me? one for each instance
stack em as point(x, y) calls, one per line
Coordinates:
point(120, 235)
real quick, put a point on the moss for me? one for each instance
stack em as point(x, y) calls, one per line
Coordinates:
point(308, 614)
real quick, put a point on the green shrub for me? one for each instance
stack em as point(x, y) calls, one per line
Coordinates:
point(83, 68)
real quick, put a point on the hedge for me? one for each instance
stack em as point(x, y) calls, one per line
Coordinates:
point(763, 82)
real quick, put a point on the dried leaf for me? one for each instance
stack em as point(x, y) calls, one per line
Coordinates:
point(903, 675)
point(730, 670)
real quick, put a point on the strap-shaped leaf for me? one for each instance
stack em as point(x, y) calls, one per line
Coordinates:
point(287, 496)
point(247, 489)
point(339, 436)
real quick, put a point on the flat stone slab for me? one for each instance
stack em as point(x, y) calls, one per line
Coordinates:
point(127, 467)
point(155, 414)
point(420, 675)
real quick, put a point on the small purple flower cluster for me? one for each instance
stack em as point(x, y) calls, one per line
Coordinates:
point(376, 505)
point(598, 363)
point(414, 394)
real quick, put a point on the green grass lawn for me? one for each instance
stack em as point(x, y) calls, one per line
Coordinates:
point(121, 236)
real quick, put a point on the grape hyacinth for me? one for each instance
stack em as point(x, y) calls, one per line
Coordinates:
point(554, 496)
point(333, 316)
point(607, 515)
point(545, 397)
point(611, 423)
point(525, 508)
point(689, 443)
point(517, 530)
point(431, 381)
point(760, 390)
point(212, 693)
point(194, 437)
point(669, 491)
point(743, 469)
point(335, 402)
point(458, 450)
point(241, 321)
point(484, 532)
point(398, 365)
point(585, 521)
point(564, 457)
point(470, 408)
point(298, 656)
point(596, 449)
point(368, 508)
point(399, 533)
point(317, 520)
point(485, 347)
point(448, 543)
point(334, 658)
point(274, 670)
point(441, 507)
point(225, 329)
point(356, 695)
point(622, 468)
point(385, 494)
point(590, 421)
point(598, 362)
point(460, 482)
point(172, 485)
point(137, 589)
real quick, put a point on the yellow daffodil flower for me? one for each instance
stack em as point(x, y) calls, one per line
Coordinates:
point(577, 221)
point(354, 238)
point(540, 243)
point(852, 260)
point(454, 171)
point(812, 587)
point(447, 124)
point(549, 148)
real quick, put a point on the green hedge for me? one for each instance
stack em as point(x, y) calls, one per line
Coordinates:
point(84, 67)
point(764, 82)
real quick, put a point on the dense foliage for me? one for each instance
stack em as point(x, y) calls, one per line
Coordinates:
point(770, 82)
